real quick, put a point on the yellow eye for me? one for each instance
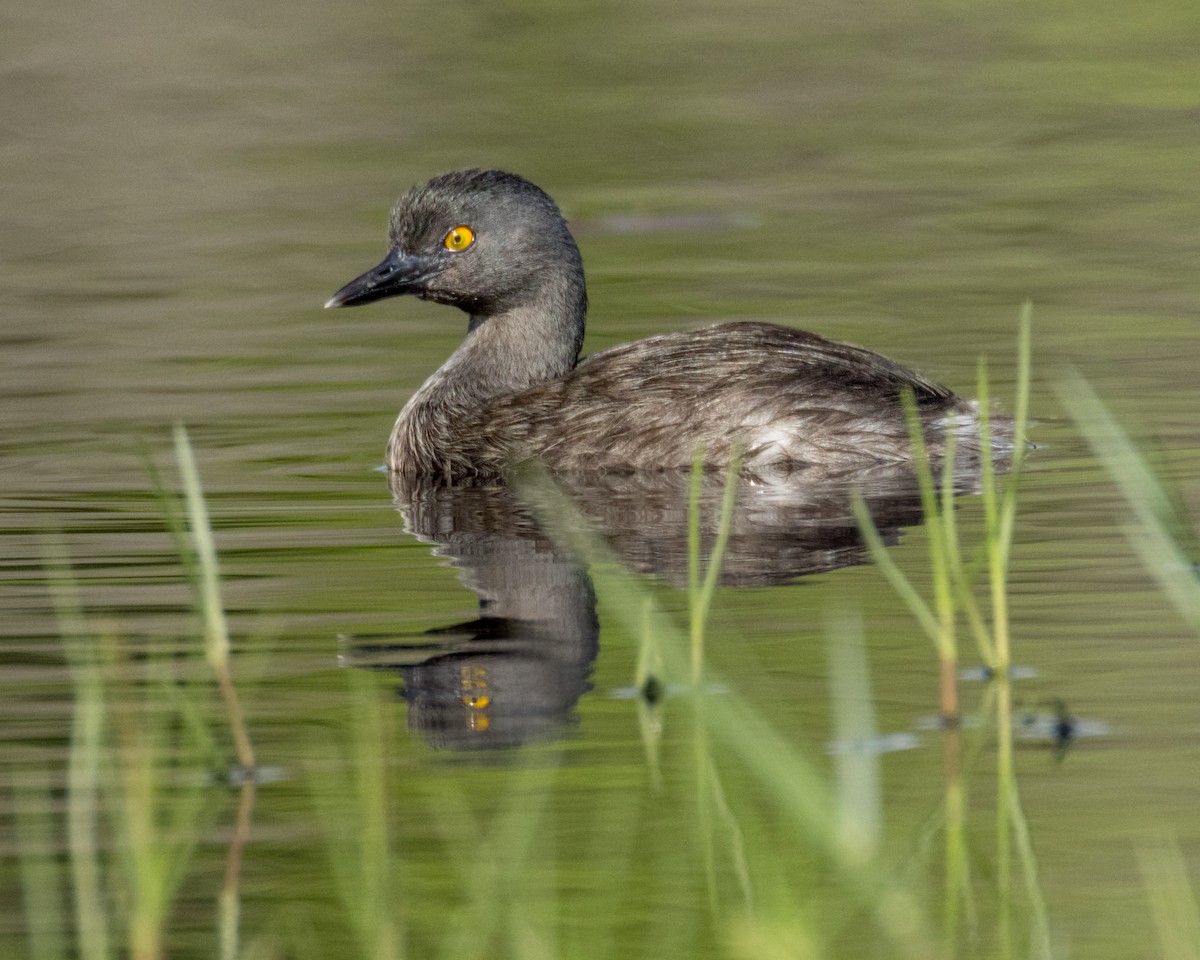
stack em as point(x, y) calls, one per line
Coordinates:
point(459, 238)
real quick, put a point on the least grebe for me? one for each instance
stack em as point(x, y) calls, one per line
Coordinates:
point(495, 246)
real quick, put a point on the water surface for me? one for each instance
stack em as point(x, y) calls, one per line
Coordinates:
point(186, 186)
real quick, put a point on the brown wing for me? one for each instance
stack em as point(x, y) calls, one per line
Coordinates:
point(774, 393)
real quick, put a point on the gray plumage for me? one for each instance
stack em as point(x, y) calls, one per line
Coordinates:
point(514, 389)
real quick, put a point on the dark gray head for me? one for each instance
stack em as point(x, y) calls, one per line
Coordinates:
point(484, 241)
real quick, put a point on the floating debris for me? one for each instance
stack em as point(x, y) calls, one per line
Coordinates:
point(985, 674)
point(237, 775)
point(1057, 727)
point(965, 721)
point(1054, 726)
point(652, 690)
point(874, 746)
point(653, 687)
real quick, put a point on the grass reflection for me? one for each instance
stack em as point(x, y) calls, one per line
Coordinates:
point(1160, 534)
point(726, 840)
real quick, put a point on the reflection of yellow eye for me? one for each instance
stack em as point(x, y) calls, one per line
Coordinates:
point(459, 238)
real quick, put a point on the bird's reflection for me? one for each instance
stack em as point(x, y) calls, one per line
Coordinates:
point(514, 674)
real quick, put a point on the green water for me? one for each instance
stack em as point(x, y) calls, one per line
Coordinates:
point(187, 184)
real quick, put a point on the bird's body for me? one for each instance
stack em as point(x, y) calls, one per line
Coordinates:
point(779, 398)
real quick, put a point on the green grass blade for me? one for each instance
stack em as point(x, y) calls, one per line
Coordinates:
point(87, 760)
point(702, 596)
point(45, 914)
point(892, 573)
point(1172, 900)
point(860, 805)
point(1153, 533)
point(216, 629)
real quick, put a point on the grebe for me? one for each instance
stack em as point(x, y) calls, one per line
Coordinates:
point(495, 246)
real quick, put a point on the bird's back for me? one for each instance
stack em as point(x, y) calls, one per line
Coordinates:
point(784, 398)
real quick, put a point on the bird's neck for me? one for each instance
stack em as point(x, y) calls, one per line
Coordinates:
point(521, 346)
point(504, 352)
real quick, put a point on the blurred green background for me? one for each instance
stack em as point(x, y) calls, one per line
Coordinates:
point(187, 183)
